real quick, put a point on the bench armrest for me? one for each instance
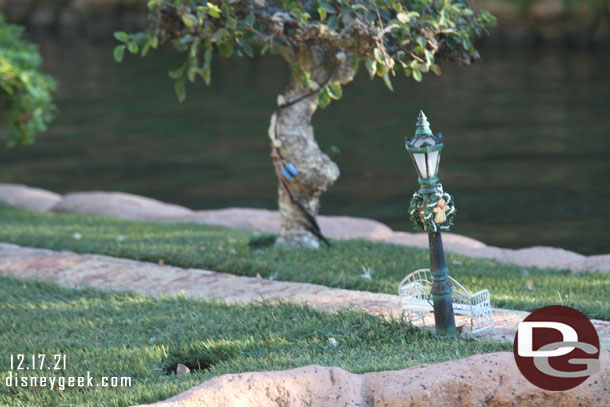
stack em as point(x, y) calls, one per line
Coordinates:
point(480, 296)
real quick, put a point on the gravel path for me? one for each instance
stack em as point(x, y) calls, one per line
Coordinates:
point(109, 273)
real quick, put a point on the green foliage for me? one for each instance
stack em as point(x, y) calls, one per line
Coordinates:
point(128, 335)
point(25, 93)
point(244, 253)
point(388, 35)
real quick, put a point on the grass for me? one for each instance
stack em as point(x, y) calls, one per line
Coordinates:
point(128, 335)
point(249, 254)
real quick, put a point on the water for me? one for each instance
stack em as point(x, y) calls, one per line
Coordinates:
point(526, 135)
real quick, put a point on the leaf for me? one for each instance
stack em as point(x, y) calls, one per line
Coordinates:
point(323, 98)
point(379, 55)
point(466, 12)
point(179, 46)
point(226, 11)
point(249, 20)
point(226, 49)
point(194, 49)
point(327, 6)
point(354, 63)
point(371, 66)
point(265, 48)
point(231, 22)
point(417, 75)
point(429, 56)
point(154, 41)
point(180, 89)
point(186, 39)
point(335, 91)
point(436, 69)
point(121, 36)
point(246, 47)
point(213, 10)
point(207, 76)
point(381, 68)
point(133, 47)
point(119, 53)
point(207, 57)
point(403, 18)
point(307, 80)
point(177, 71)
point(189, 20)
point(388, 82)
point(332, 23)
point(145, 49)
point(322, 13)
point(190, 74)
point(140, 38)
point(406, 18)
point(207, 66)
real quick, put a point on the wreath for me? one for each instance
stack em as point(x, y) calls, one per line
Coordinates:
point(432, 212)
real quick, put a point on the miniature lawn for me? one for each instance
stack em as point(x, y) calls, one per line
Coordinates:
point(246, 253)
point(129, 335)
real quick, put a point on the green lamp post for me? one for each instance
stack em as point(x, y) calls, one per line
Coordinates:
point(432, 210)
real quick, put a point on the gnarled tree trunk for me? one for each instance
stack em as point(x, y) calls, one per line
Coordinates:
point(292, 133)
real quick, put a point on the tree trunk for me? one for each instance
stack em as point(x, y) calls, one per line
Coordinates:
point(292, 134)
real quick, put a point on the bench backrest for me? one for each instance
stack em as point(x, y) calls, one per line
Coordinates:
point(461, 297)
point(416, 287)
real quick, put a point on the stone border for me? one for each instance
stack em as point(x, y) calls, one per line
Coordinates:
point(128, 206)
point(481, 380)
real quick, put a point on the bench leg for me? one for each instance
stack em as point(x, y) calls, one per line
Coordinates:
point(418, 315)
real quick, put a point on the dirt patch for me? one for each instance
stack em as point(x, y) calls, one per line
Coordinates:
point(199, 357)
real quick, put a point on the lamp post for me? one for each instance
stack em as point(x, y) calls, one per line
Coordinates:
point(432, 211)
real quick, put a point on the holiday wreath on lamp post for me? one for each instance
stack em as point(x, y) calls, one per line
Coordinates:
point(433, 213)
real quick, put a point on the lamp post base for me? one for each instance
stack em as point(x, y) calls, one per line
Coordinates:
point(444, 319)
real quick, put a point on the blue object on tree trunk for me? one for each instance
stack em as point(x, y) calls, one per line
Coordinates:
point(286, 173)
point(292, 169)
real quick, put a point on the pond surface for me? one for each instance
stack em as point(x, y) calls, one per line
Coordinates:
point(527, 140)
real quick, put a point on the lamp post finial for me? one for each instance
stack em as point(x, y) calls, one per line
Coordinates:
point(423, 125)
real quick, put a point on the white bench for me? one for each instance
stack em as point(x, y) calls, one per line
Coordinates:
point(416, 299)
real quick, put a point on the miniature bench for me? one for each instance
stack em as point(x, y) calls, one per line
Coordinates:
point(416, 299)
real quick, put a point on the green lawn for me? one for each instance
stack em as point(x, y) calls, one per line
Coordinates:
point(246, 253)
point(140, 337)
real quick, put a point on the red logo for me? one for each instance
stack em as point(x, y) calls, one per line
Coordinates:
point(556, 348)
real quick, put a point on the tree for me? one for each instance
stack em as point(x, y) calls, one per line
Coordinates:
point(26, 105)
point(324, 42)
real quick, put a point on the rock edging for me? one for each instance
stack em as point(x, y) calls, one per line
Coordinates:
point(490, 379)
point(129, 206)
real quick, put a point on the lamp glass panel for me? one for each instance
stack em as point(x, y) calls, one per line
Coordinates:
point(433, 160)
point(438, 161)
point(424, 141)
point(420, 161)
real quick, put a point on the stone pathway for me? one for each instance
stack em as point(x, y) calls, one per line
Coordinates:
point(109, 273)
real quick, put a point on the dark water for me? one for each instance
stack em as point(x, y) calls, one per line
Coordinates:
point(527, 135)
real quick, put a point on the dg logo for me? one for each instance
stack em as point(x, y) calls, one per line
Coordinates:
point(556, 348)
